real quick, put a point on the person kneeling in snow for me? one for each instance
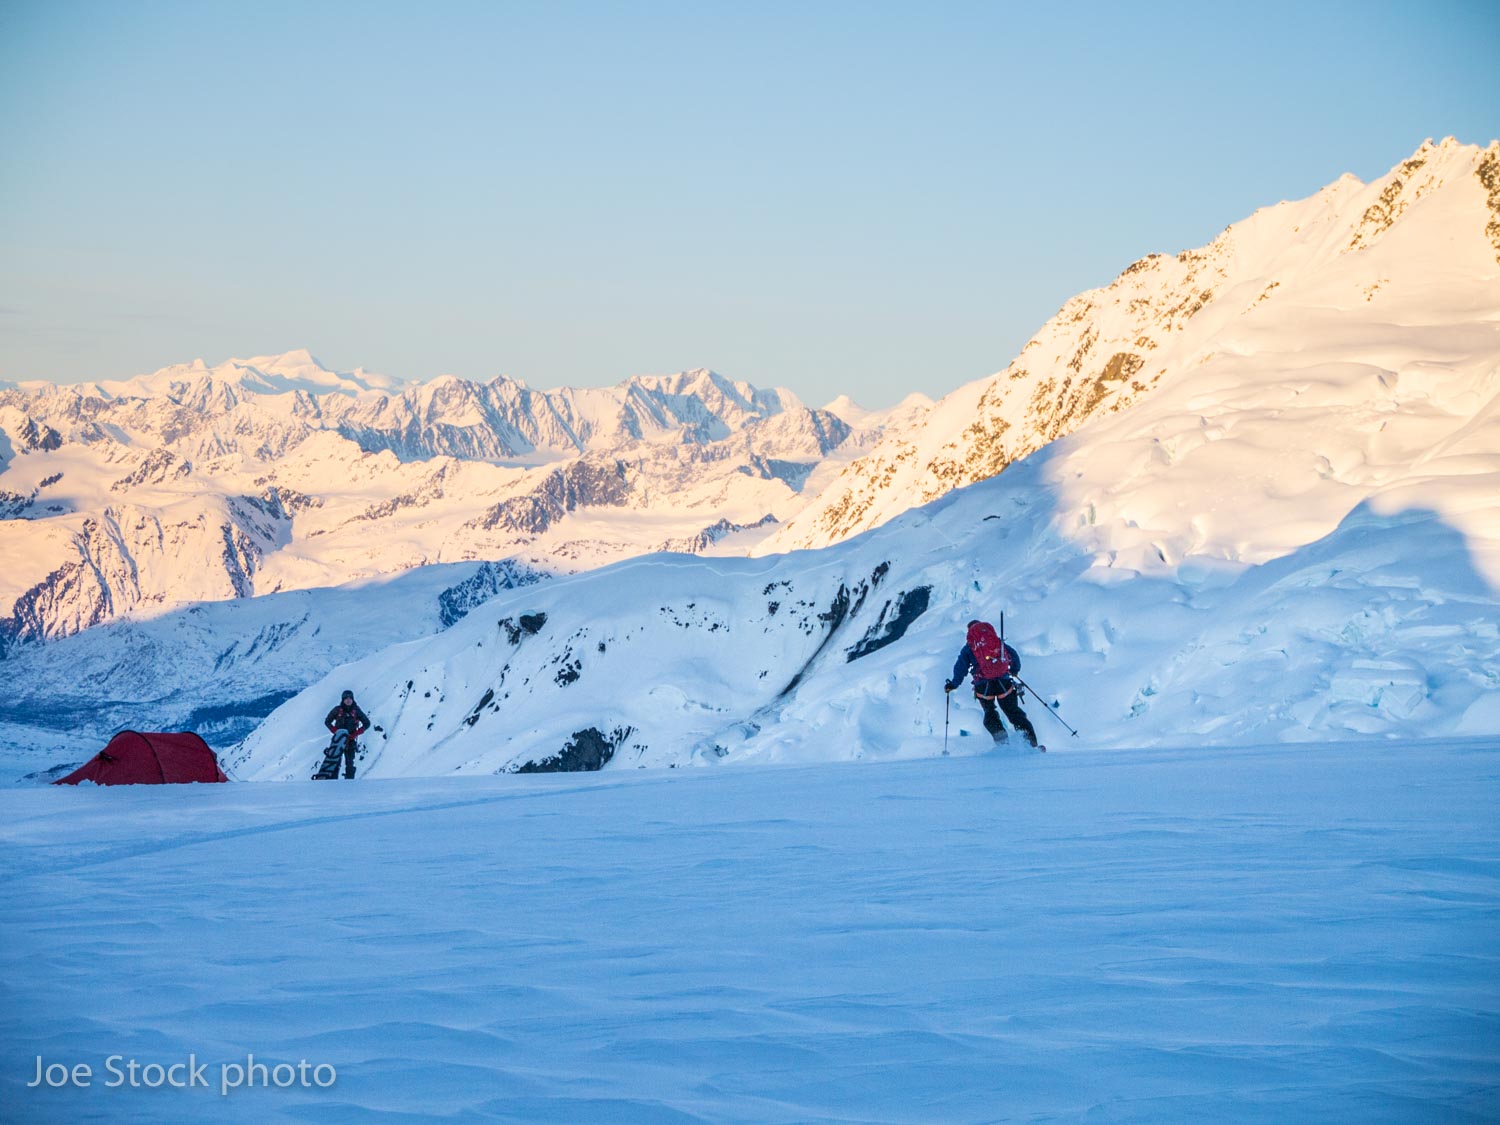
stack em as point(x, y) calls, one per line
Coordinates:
point(994, 664)
point(347, 722)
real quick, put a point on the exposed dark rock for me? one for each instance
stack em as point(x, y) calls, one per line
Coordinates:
point(582, 484)
point(793, 474)
point(157, 467)
point(833, 617)
point(588, 749)
point(528, 625)
point(890, 626)
point(846, 603)
point(35, 438)
point(1121, 366)
point(241, 557)
point(832, 430)
point(13, 505)
point(262, 517)
point(693, 544)
point(1488, 173)
point(458, 600)
point(288, 501)
point(73, 584)
point(529, 515)
point(430, 490)
point(473, 716)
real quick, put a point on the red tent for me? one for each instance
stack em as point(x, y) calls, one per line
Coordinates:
point(132, 758)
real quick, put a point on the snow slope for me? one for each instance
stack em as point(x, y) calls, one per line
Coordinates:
point(1273, 934)
point(1345, 272)
point(1298, 545)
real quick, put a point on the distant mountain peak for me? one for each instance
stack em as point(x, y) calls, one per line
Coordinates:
point(296, 360)
point(847, 409)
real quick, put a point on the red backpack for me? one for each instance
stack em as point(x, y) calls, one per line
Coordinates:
point(990, 654)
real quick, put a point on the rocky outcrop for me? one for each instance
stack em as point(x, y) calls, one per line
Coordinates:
point(583, 484)
point(895, 618)
point(35, 437)
point(157, 467)
point(1488, 174)
point(16, 505)
point(70, 599)
point(697, 544)
point(589, 749)
point(527, 625)
point(847, 602)
point(127, 557)
point(455, 603)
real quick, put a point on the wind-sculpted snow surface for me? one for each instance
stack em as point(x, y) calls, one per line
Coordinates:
point(1285, 934)
point(1297, 540)
point(1342, 273)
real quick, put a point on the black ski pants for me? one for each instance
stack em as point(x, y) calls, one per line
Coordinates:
point(344, 742)
point(989, 694)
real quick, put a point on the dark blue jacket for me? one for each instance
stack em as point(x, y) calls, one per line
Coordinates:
point(965, 664)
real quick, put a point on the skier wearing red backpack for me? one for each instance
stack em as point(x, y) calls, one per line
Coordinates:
point(994, 664)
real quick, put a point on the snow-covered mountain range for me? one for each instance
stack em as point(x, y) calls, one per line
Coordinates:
point(200, 484)
point(1287, 532)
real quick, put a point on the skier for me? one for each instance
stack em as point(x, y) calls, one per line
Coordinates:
point(346, 723)
point(994, 663)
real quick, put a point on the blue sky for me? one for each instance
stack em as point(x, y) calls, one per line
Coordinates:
point(865, 198)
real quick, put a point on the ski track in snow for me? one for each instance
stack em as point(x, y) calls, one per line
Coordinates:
point(1283, 933)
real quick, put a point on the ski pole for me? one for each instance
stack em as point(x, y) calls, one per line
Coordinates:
point(1050, 711)
point(947, 704)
